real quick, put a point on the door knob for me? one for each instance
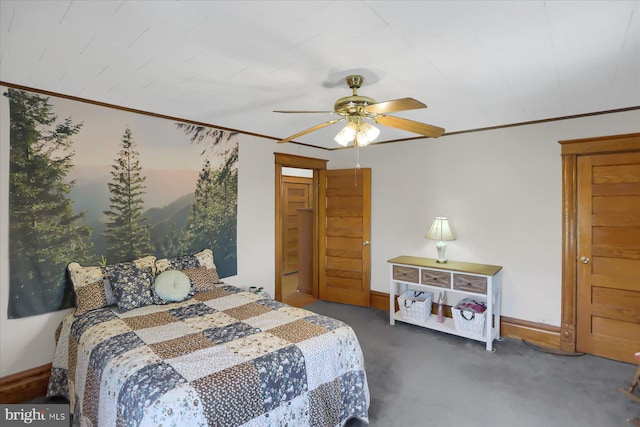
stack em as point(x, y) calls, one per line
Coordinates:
point(365, 243)
point(585, 260)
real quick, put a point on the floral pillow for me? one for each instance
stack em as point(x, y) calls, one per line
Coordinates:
point(89, 287)
point(202, 278)
point(133, 288)
point(199, 267)
point(203, 258)
point(92, 285)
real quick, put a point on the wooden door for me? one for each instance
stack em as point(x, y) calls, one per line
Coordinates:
point(344, 234)
point(608, 251)
point(297, 194)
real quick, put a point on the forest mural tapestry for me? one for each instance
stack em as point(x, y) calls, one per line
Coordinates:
point(100, 185)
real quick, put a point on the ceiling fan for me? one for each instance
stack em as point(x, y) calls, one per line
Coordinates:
point(356, 109)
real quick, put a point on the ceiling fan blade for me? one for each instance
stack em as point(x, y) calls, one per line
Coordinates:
point(306, 131)
point(402, 104)
point(301, 111)
point(410, 125)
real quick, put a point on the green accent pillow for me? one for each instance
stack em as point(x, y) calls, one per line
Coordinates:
point(172, 286)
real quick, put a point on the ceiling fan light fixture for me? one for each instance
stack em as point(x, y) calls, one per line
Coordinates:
point(366, 134)
point(357, 130)
point(347, 134)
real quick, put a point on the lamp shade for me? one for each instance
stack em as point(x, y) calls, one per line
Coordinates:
point(440, 230)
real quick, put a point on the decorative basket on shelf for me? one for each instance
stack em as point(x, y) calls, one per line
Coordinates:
point(415, 305)
point(469, 316)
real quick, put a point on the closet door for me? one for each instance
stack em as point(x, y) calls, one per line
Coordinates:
point(344, 233)
point(608, 252)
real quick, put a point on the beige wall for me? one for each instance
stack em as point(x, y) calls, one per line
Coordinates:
point(256, 209)
point(501, 189)
point(502, 192)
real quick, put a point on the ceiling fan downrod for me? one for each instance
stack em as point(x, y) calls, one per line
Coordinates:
point(354, 82)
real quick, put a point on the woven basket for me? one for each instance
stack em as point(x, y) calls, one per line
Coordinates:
point(467, 320)
point(415, 305)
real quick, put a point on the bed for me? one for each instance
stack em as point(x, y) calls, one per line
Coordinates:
point(221, 356)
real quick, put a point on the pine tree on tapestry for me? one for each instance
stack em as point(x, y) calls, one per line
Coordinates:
point(44, 233)
point(127, 233)
point(197, 233)
point(212, 219)
point(220, 205)
point(226, 220)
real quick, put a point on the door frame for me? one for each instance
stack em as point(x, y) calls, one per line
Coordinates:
point(293, 161)
point(571, 150)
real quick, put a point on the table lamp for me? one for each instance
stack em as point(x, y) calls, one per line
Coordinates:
point(440, 232)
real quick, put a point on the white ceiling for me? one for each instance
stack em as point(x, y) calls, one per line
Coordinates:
point(476, 64)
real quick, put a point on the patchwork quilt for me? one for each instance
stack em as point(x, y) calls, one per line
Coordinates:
point(225, 357)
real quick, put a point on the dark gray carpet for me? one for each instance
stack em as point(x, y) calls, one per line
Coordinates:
point(419, 377)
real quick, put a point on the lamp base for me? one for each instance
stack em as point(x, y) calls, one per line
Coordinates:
point(441, 246)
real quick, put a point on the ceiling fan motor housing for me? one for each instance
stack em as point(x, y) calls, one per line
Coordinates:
point(352, 104)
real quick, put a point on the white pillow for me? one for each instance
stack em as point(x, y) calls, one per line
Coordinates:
point(172, 286)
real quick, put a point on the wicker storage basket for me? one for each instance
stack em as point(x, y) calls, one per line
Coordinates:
point(469, 316)
point(415, 305)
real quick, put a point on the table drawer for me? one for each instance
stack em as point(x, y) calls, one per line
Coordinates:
point(441, 279)
point(405, 274)
point(463, 282)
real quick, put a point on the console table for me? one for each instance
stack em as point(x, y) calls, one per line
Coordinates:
point(455, 280)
